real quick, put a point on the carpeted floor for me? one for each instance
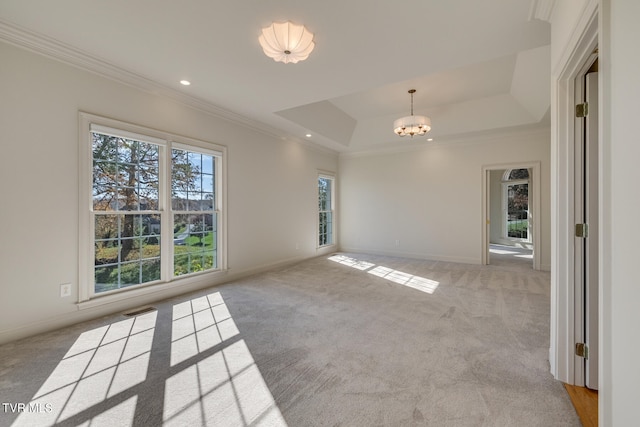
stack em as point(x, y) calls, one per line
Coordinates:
point(343, 340)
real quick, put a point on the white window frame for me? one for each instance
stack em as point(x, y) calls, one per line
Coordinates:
point(506, 182)
point(166, 141)
point(332, 177)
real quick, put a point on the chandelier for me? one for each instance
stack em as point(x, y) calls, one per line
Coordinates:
point(286, 42)
point(412, 125)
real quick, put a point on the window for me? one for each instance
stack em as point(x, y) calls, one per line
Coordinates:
point(326, 223)
point(154, 210)
point(194, 217)
point(126, 211)
point(516, 204)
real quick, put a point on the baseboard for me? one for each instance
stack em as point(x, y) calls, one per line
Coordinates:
point(93, 310)
point(412, 255)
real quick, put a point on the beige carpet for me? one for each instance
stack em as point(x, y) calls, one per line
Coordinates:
point(343, 340)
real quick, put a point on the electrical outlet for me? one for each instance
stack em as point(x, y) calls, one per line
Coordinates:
point(65, 290)
point(397, 242)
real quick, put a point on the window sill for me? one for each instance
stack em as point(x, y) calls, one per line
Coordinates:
point(185, 283)
point(326, 247)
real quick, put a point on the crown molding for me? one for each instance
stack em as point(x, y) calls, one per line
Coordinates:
point(541, 9)
point(54, 49)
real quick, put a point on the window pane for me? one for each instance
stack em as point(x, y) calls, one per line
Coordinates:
point(179, 201)
point(195, 160)
point(103, 199)
point(180, 264)
point(148, 194)
point(150, 227)
point(128, 225)
point(195, 263)
point(150, 248)
point(209, 259)
point(192, 181)
point(325, 229)
point(324, 189)
point(106, 226)
point(207, 202)
point(128, 151)
point(519, 174)
point(518, 211)
point(126, 176)
point(104, 147)
point(127, 199)
point(207, 183)
point(107, 252)
point(104, 172)
point(106, 278)
point(150, 270)
point(207, 164)
point(195, 241)
point(129, 274)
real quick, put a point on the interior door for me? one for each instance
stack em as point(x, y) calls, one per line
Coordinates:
point(591, 218)
point(586, 239)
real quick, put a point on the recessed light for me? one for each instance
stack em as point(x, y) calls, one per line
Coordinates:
point(429, 139)
point(185, 82)
point(308, 135)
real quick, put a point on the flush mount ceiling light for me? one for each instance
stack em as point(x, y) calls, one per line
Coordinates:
point(286, 42)
point(412, 125)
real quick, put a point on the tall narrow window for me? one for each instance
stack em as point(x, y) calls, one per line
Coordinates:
point(126, 211)
point(152, 209)
point(195, 219)
point(326, 210)
point(516, 204)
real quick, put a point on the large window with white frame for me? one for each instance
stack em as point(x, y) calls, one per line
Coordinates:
point(326, 216)
point(153, 210)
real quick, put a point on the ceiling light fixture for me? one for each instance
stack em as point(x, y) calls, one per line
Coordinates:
point(412, 125)
point(286, 42)
point(185, 82)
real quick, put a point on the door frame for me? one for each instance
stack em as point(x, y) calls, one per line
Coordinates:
point(534, 207)
point(564, 318)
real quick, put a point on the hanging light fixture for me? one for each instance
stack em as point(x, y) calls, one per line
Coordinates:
point(286, 42)
point(412, 125)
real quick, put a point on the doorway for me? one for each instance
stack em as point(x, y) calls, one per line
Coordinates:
point(510, 213)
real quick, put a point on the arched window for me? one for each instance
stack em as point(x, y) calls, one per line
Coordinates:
point(515, 204)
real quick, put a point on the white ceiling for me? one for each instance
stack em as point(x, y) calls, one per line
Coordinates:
point(477, 66)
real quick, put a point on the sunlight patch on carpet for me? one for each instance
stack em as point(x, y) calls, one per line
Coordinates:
point(416, 282)
point(101, 364)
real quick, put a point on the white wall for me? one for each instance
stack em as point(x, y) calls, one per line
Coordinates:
point(566, 14)
point(272, 185)
point(620, 294)
point(429, 199)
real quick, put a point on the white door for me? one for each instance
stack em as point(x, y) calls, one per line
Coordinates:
point(586, 239)
point(591, 241)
